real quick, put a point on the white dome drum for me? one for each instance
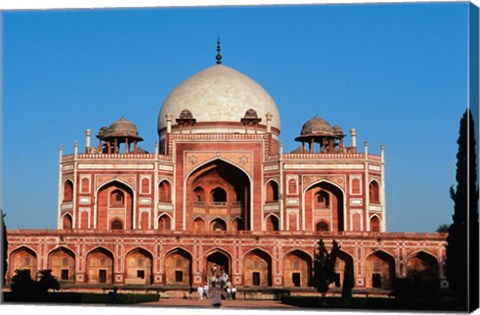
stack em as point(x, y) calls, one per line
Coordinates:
point(219, 94)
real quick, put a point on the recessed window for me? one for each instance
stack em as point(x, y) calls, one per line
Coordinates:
point(117, 199)
point(64, 275)
point(296, 279)
point(376, 280)
point(117, 225)
point(178, 276)
point(256, 278)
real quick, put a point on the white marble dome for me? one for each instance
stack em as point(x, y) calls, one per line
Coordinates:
point(219, 94)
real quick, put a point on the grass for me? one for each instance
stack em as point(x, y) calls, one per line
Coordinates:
point(78, 298)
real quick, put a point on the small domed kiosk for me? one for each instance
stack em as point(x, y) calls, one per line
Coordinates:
point(318, 131)
point(121, 131)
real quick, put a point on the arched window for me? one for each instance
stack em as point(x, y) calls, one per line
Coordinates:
point(199, 194)
point(374, 192)
point(322, 199)
point(117, 225)
point(374, 224)
point(321, 227)
point(272, 191)
point(67, 222)
point(165, 192)
point(164, 223)
point(117, 198)
point(237, 225)
point(219, 195)
point(219, 225)
point(68, 191)
point(198, 225)
point(272, 223)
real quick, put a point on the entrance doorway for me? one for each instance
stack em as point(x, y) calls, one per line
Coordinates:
point(216, 264)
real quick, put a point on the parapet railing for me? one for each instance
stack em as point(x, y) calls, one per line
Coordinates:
point(176, 233)
point(324, 156)
point(117, 156)
point(206, 136)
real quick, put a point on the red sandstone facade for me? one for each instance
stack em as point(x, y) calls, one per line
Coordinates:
point(219, 190)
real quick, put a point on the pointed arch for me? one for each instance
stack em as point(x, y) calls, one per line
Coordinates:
point(322, 226)
point(199, 193)
point(217, 261)
point(100, 266)
point(218, 194)
point(272, 223)
point(198, 224)
point(379, 270)
point(67, 222)
point(297, 269)
point(165, 191)
point(344, 266)
point(374, 191)
point(227, 189)
point(116, 224)
point(139, 263)
point(375, 223)
point(178, 267)
point(218, 224)
point(117, 195)
point(164, 222)
point(271, 191)
point(68, 190)
point(322, 195)
point(422, 270)
point(23, 258)
point(61, 261)
point(257, 268)
point(237, 224)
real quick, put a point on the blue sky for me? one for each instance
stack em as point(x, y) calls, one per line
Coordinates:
point(395, 72)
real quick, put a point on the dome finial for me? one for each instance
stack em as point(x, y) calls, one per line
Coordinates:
point(218, 57)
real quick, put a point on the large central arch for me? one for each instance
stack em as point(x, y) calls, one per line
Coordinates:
point(115, 206)
point(323, 203)
point(218, 191)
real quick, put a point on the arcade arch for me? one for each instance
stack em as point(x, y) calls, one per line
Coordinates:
point(422, 270)
point(139, 267)
point(100, 266)
point(178, 267)
point(257, 269)
point(379, 270)
point(297, 269)
point(23, 259)
point(62, 263)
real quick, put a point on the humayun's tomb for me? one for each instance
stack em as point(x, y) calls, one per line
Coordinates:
point(218, 190)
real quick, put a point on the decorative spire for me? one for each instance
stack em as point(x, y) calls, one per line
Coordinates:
point(218, 57)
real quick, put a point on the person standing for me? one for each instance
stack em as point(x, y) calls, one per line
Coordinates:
point(205, 290)
point(233, 292)
point(200, 292)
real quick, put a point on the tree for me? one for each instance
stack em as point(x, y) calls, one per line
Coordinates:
point(324, 266)
point(47, 281)
point(443, 228)
point(22, 283)
point(347, 286)
point(3, 254)
point(462, 241)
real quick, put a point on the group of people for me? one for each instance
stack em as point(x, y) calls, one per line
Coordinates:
point(220, 277)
